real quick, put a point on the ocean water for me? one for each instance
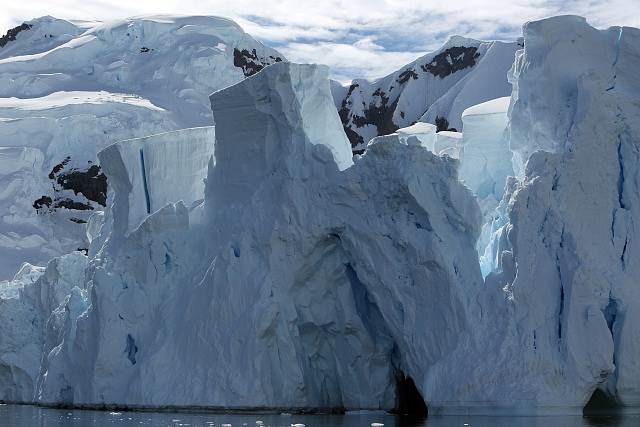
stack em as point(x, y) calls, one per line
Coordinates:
point(33, 416)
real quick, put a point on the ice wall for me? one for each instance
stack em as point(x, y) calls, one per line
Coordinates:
point(306, 281)
point(448, 143)
point(299, 283)
point(573, 237)
point(34, 307)
point(563, 299)
point(148, 173)
point(485, 159)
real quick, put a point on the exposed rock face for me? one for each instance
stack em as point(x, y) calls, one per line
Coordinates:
point(91, 183)
point(450, 60)
point(250, 62)
point(435, 88)
point(484, 82)
point(12, 33)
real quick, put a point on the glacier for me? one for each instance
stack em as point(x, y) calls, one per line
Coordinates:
point(561, 320)
point(286, 280)
point(68, 90)
point(257, 264)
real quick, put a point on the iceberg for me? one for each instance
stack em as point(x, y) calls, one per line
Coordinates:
point(561, 305)
point(288, 286)
point(278, 271)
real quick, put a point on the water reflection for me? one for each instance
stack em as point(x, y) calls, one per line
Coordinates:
point(28, 416)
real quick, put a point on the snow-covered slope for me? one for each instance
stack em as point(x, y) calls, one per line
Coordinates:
point(175, 62)
point(49, 180)
point(37, 36)
point(486, 81)
point(67, 91)
point(435, 88)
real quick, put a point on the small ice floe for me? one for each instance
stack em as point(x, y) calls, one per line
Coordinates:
point(377, 424)
point(226, 425)
point(298, 425)
point(259, 422)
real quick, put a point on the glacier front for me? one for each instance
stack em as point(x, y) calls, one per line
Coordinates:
point(279, 272)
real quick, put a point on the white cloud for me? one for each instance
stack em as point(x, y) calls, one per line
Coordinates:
point(359, 38)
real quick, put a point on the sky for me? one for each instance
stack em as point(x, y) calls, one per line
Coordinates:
point(355, 38)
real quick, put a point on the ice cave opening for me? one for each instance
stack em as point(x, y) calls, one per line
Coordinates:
point(409, 401)
point(601, 403)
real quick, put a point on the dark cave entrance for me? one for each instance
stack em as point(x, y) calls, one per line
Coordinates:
point(601, 403)
point(409, 401)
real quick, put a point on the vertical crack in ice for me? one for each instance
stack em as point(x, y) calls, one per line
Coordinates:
point(620, 174)
point(624, 253)
point(610, 313)
point(560, 311)
point(131, 349)
point(561, 308)
point(144, 182)
point(615, 59)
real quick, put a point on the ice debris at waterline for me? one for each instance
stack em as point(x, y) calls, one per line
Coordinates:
point(290, 276)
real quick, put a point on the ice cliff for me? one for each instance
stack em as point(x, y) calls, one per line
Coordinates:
point(279, 272)
point(270, 293)
point(560, 309)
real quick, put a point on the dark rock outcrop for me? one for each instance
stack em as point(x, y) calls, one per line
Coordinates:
point(91, 183)
point(42, 202)
point(369, 104)
point(443, 124)
point(12, 33)
point(379, 113)
point(250, 62)
point(451, 60)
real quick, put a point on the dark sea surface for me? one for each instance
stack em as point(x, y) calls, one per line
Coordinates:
point(27, 416)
